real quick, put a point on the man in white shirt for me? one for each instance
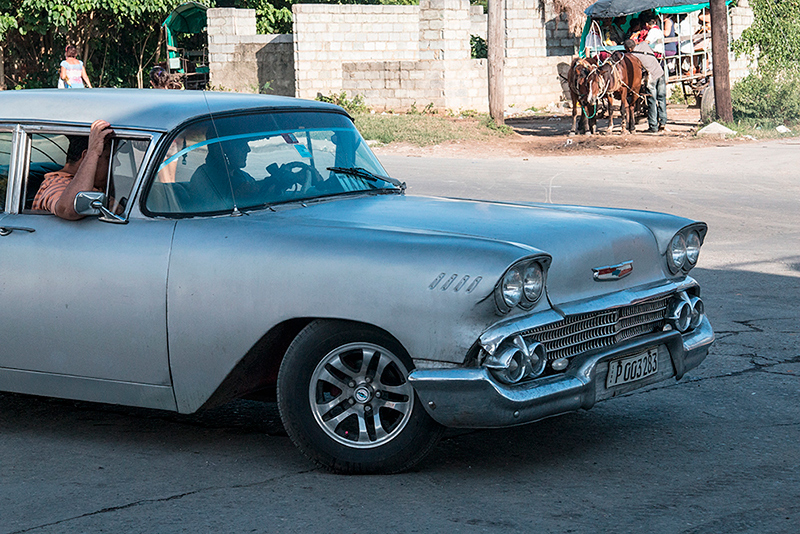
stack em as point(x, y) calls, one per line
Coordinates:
point(655, 37)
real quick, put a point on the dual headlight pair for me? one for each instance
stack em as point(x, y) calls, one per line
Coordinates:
point(522, 285)
point(684, 249)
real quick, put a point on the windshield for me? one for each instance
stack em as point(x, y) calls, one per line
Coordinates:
point(253, 161)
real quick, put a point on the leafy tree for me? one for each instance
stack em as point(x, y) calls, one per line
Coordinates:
point(774, 36)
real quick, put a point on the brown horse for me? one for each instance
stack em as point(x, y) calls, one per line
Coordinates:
point(620, 77)
point(578, 71)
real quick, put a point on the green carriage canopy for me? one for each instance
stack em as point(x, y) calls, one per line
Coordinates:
point(186, 18)
point(609, 9)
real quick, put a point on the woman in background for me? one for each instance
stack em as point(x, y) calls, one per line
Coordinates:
point(72, 71)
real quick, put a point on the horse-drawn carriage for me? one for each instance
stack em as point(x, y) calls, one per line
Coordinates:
point(685, 48)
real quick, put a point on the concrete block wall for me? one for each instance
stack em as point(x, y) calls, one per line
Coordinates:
point(240, 60)
point(399, 56)
point(326, 36)
point(478, 22)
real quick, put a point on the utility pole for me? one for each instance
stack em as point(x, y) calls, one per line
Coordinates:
point(495, 54)
point(721, 66)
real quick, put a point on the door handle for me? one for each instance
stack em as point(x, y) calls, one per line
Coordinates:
point(5, 230)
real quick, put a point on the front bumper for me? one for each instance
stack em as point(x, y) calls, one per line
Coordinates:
point(471, 398)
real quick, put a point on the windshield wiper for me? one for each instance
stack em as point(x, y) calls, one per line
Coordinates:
point(360, 172)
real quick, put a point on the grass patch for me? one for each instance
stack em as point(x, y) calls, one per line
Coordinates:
point(762, 128)
point(424, 129)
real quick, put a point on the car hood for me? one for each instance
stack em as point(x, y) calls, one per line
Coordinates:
point(577, 240)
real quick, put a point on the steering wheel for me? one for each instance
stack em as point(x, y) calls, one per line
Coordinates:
point(294, 177)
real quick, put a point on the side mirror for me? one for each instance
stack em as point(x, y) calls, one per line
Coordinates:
point(89, 202)
point(93, 203)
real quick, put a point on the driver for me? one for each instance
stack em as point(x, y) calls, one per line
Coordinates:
point(59, 189)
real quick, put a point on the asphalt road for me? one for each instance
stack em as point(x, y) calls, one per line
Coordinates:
point(718, 452)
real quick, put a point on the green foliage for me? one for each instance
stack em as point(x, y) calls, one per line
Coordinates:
point(478, 47)
point(271, 17)
point(488, 122)
point(116, 39)
point(763, 96)
point(354, 105)
point(774, 36)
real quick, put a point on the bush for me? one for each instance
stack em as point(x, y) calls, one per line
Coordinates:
point(354, 105)
point(772, 97)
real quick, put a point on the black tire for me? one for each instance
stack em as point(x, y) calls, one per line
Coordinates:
point(346, 403)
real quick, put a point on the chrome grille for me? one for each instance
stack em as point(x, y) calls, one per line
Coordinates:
point(589, 331)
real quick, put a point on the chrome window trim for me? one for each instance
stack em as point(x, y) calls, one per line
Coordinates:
point(7, 128)
point(17, 166)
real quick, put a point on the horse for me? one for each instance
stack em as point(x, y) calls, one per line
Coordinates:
point(579, 69)
point(620, 77)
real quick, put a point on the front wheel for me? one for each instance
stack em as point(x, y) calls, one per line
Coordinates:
point(346, 402)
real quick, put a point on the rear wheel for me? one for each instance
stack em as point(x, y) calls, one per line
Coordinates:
point(346, 402)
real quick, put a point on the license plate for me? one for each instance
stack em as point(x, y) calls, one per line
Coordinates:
point(632, 368)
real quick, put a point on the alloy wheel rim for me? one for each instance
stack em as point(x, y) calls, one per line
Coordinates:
point(360, 395)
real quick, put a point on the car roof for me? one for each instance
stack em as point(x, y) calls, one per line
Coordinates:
point(149, 109)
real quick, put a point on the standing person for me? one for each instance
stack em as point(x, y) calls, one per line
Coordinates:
point(655, 38)
point(161, 79)
point(72, 71)
point(656, 85)
point(670, 49)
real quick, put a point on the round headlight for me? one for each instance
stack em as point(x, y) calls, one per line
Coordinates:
point(533, 282)
point(677, 252)
point(511, 287)
point(692, 247)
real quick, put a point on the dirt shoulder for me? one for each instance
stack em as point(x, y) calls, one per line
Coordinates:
point(549, 135)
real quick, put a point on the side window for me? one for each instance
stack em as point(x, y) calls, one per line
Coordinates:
point(5, 161)
point(126, 159)
point(60, 154)
point(48, 154)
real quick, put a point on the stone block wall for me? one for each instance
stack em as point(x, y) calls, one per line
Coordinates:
point(240, 60)
point(400, 56)
point(326, 36)
point(424, 54)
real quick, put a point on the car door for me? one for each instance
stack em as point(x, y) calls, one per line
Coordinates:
point(83, 311)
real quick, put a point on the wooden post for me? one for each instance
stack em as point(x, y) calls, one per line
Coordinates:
point(721, 66)
point(496, 51)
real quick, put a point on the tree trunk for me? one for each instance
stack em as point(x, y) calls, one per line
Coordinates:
point(496, 51)
point(721, 65)
point(2, 69)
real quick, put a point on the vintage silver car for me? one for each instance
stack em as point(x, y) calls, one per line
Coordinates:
point(251, 244)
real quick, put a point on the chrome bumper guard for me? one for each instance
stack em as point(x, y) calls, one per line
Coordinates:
point(472, 398)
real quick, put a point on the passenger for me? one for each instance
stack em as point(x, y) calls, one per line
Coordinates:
point(670, 49)
point(655, 37)
point(88, 173)
point(214, 182)
point(656, 85)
